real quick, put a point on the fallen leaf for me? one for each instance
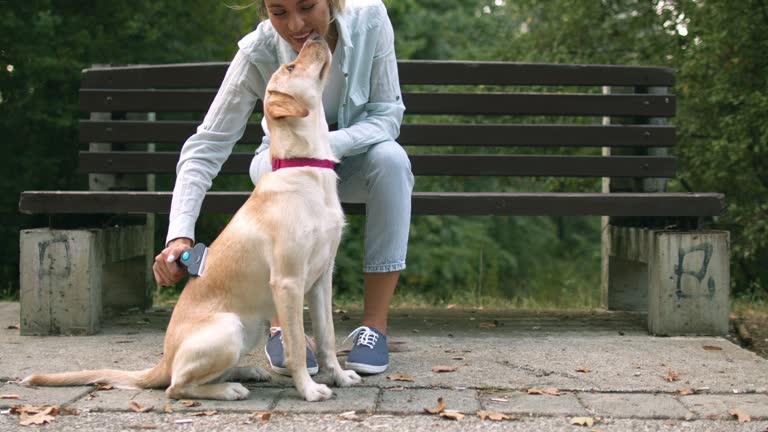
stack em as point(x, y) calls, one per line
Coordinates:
point(32, 414)
point(168, 409)
point(137, 407)
point(13, 327)
point(350, 415)
point(457, 358)
point(452, 415)
point(583, 370)
point(583, 421)
point(493, 415)
point(437, 408)
point(741, 415)
point(671, 376)
point(10, 396)
point(712, 348)
point(488, 325)
point(205, 413)
point(190, 403)
point(400, 376)
point(443, 368)
point(686, 392)
point(262, 416)
point(142, 426)
point(104, 387)
point(549, 391)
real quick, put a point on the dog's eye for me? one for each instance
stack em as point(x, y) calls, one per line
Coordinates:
point(290, 68)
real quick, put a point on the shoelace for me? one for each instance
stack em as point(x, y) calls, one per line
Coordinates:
point(367, 336)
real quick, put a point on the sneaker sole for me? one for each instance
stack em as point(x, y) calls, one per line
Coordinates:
point(285, 371)
point(366, 368)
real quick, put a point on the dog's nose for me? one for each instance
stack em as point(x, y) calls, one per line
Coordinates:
point(315, 36)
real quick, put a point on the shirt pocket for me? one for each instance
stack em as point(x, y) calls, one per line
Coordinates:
point(360, 95)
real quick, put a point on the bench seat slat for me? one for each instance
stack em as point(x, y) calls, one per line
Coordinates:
point(424, 203)
point(114, 100)
point(540, 135)
point(210, 75)
point(422, 164)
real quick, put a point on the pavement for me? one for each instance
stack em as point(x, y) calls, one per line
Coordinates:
point(543, 370)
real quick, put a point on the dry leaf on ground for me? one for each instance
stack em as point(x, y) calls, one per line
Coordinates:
point(741, 415)
point(437, 408)
point(686, 392)
point(489, 325)
point(495, 416)
point(445, 368)
point(37, 415)
point(137, 407)
point(104, 387)
point(205, 413)
point(142, 426)
point(452, 415)
point(712, 348)
point(549, 391)
point(168, 409)
point(10, 396)
point(262, 416)
point(350, 415)
point(400, 376)
point(582, 370)
point(13, 327)
point(671, 376)
point(190, 403)
point(583, 421)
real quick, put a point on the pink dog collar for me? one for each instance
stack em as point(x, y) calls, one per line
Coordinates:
point(301, 162)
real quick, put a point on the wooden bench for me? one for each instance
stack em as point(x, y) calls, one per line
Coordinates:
point(538, 120)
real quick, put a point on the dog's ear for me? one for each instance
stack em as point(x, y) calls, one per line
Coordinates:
point(281, 105)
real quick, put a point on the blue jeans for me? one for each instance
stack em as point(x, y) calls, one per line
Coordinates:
point(382, 179)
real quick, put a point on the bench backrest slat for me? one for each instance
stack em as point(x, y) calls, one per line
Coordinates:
point(112, 100)
point(210, 75)
point(536, 135)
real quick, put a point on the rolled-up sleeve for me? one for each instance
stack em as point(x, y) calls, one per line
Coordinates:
point(204, 153)
point(384, 109)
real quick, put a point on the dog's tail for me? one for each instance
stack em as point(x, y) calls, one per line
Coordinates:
point(154, 377)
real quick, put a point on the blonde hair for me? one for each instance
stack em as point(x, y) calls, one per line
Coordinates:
point(336, 6)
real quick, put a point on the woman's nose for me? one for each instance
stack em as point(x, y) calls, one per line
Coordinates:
point(295, 23)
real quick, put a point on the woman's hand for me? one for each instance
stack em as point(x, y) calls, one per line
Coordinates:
point(167, 271)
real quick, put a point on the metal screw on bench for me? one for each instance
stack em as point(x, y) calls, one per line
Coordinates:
point(194, 259)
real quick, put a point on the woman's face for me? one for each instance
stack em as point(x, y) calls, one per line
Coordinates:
point(296, 20)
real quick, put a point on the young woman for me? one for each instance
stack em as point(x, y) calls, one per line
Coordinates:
point(362, 99)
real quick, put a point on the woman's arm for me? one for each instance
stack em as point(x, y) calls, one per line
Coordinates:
point(204, 152)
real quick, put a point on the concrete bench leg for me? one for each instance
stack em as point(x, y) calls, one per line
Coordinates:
point(682, 278)
point(63, 273)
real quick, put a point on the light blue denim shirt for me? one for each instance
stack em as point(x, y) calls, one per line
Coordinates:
point(370, 111)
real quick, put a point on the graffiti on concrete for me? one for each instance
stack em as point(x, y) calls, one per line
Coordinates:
point(707, 249)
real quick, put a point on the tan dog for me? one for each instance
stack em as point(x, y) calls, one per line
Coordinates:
point(279, 247)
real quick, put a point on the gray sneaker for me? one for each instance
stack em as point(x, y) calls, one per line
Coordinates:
point(369, 353)
point(276, 354)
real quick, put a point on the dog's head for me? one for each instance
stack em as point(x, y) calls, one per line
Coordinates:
point(295, 90)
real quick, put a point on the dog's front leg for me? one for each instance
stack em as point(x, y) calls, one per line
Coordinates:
point(321, 312)
point(288, 294)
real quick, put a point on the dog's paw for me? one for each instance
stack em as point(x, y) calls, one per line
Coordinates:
point(235, 391)
point(253, 374)
point(346, 378)
point(317, 392)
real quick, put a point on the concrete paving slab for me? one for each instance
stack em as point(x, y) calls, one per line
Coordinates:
point(719, 406)
point(628, 405)
point(604, 361)
point(567, 404)
point(39, 396)
point(358, 399)
point(414, 401)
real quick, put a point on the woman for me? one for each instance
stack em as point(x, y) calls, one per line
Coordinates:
point(362, 97)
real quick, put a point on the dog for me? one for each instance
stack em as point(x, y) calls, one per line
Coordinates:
point(278, 248)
